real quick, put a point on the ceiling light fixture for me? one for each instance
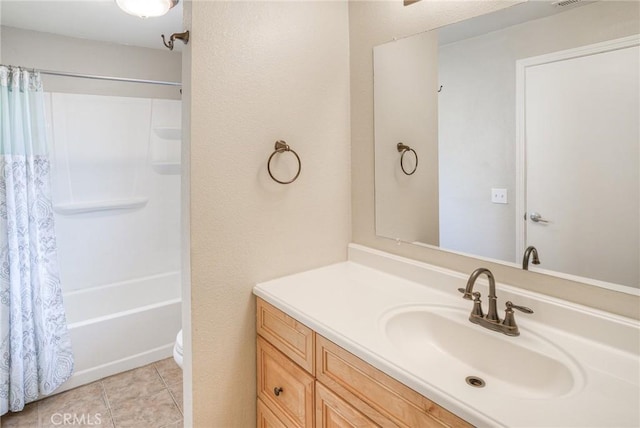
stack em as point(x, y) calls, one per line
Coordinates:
point(146, 8)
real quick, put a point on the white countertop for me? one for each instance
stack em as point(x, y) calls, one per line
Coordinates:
point(346, 302)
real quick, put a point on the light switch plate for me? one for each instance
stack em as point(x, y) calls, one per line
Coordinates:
point(499, 196)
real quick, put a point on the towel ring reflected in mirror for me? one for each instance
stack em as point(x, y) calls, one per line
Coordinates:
point(403, 148)
point(281, 147)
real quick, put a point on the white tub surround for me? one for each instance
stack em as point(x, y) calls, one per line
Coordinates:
point(117, 226)
point(350, 302)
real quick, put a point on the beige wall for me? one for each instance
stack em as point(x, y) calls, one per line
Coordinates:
point(373, 23)
point(260, 71)
point(46, 51)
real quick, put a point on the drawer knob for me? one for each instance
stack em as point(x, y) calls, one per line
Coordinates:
point(277, 390)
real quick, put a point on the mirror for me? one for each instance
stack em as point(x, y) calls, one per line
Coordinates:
point(524, 126)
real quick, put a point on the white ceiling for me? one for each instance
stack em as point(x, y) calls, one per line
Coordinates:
point(503, 18)
point(91, 19)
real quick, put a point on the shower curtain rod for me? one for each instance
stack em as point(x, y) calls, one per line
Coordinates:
point(115, 79)
point(96, 77)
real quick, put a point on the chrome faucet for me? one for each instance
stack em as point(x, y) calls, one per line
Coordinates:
point(491, 320)
point(527, 254)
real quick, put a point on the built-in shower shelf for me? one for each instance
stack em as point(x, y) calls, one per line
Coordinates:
point(88, 207)
point(168, 133)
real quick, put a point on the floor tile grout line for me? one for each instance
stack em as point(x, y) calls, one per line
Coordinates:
point(166, 385)
point(108, 403)
point(113, 419)
point(105, 395)
point(176, 402)
point(164, 382)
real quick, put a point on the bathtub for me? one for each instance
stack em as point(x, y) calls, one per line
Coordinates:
point(121, 326)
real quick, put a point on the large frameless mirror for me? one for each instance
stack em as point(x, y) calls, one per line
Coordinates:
point(524, 130)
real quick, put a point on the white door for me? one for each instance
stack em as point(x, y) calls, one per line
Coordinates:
point(582, 142)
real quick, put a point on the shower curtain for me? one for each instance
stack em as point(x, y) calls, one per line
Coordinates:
point(35, 350)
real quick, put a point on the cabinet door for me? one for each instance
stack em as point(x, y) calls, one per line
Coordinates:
point(381, 398)
point(284, 387)
point(266, 418)
point(334, 412)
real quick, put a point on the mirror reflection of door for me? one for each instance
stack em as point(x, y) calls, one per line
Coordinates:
point(581, 111)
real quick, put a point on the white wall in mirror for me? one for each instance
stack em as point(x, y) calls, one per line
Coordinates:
point(477, 123)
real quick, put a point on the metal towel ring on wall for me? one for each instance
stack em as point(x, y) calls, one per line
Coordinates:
point(404, 149)
point(281, 147)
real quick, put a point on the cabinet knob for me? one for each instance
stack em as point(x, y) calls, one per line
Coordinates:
point(277, 390)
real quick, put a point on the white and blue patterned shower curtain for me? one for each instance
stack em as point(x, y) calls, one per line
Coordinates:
point(35, 350)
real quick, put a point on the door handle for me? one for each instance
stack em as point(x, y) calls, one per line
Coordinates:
point(537, 218)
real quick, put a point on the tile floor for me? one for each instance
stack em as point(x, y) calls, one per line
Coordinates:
point(146, 397)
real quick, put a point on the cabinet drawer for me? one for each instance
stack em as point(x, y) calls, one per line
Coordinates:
point(284, 387)
point(334, 412)
point(381, 398)
point(294, 339)
point(266, 418)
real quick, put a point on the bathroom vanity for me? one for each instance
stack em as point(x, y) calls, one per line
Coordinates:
point(348, 391)
point(381, 340)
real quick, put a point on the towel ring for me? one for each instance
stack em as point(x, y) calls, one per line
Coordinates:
point(281, 147)
point(404, 149)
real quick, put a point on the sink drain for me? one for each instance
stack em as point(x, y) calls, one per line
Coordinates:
point(475, 381)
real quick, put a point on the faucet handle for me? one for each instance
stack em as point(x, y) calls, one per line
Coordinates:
point(509, 320)
point(477, 305)
point(520, 308)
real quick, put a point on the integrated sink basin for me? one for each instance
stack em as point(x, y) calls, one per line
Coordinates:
point(441, 342)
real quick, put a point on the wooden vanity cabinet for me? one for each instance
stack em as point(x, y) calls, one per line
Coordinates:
point(333, 411)
point(380, 397)
point(293, 339)
point(285, 356)
point(284, 387)
point(305, 380)
point(266, 418)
